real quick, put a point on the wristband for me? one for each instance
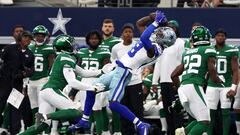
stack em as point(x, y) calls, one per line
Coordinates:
point(233, 87)
point(155, 24)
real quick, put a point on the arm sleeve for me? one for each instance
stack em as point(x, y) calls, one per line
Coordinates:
point(156, 72)
point(86, 73)
point(113, 54)
point(147, 44)
point(72, 82)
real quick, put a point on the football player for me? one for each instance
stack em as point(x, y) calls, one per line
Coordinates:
point(108, 39)
point(227, 69)
point(63, 72)
point(143, 53)
point(93, 58)
point(196, 62)
point(44, 57)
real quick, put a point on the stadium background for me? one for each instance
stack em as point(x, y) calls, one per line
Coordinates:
point(85, 19)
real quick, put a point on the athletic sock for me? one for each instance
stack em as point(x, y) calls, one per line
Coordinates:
point(226, 121)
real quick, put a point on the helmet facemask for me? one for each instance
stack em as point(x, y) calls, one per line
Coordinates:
point(40, 30)
point(164, 36)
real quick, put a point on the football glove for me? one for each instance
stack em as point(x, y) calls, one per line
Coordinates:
point(99, 87)
point(160, 17)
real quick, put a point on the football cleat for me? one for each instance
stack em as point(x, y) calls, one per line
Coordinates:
point(81, 124)
point(143, 129)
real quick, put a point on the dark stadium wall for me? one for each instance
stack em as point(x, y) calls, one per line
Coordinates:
point(86, 19)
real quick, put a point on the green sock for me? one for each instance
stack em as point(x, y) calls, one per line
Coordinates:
point(116, 122)
point(190, 126)
point(162, 113)
point(98, 117)
point(212, 122)
point(34, 131)
point(65, 114)
point(226, 120)
point(199, 129)
point(6, 117)
point(105, 119)
point(34, 111)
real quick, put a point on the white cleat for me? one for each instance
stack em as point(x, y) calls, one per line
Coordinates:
point(180, 131)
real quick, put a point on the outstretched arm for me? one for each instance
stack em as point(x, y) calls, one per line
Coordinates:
point(70, 77)
point(147, 44)
point(86, 73)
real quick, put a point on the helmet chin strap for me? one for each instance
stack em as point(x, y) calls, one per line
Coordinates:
point(40, 43)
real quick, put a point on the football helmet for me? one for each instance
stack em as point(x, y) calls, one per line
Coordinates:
point(64, 43)
point(200, 36)
point(164, 36)
point(40, 29)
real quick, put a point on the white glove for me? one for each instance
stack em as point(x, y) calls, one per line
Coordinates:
point(99, 87)
point(108, 68)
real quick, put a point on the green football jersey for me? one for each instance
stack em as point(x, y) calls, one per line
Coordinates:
point(196, 64)
point(57, 80)
point(187, 44)
point(41, 54)
point(92, 60)
point(223, 65)
point(109, 43)
point(148, 83)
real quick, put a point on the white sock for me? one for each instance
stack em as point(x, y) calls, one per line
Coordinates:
point(164, 124)
point(54, 125)
point(238, 126)
point(117, 133)
point(106, 132)
point(85, 117)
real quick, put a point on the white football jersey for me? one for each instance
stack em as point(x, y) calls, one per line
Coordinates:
point(137, 57)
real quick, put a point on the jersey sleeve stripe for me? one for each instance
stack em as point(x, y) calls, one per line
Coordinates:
point(210, 51)
point(80, 53)
point(147, 80)
point(232, 50)
point(67, 59)
point(104, 53)
point(48, 48)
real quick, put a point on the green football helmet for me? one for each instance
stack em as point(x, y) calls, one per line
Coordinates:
point(201, 36)
point(40, 29)
point(64, 43)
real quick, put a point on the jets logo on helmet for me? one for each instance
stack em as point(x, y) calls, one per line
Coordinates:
point(164, 36)
point(40, 29)
point(201, 36)
point(64, 43)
